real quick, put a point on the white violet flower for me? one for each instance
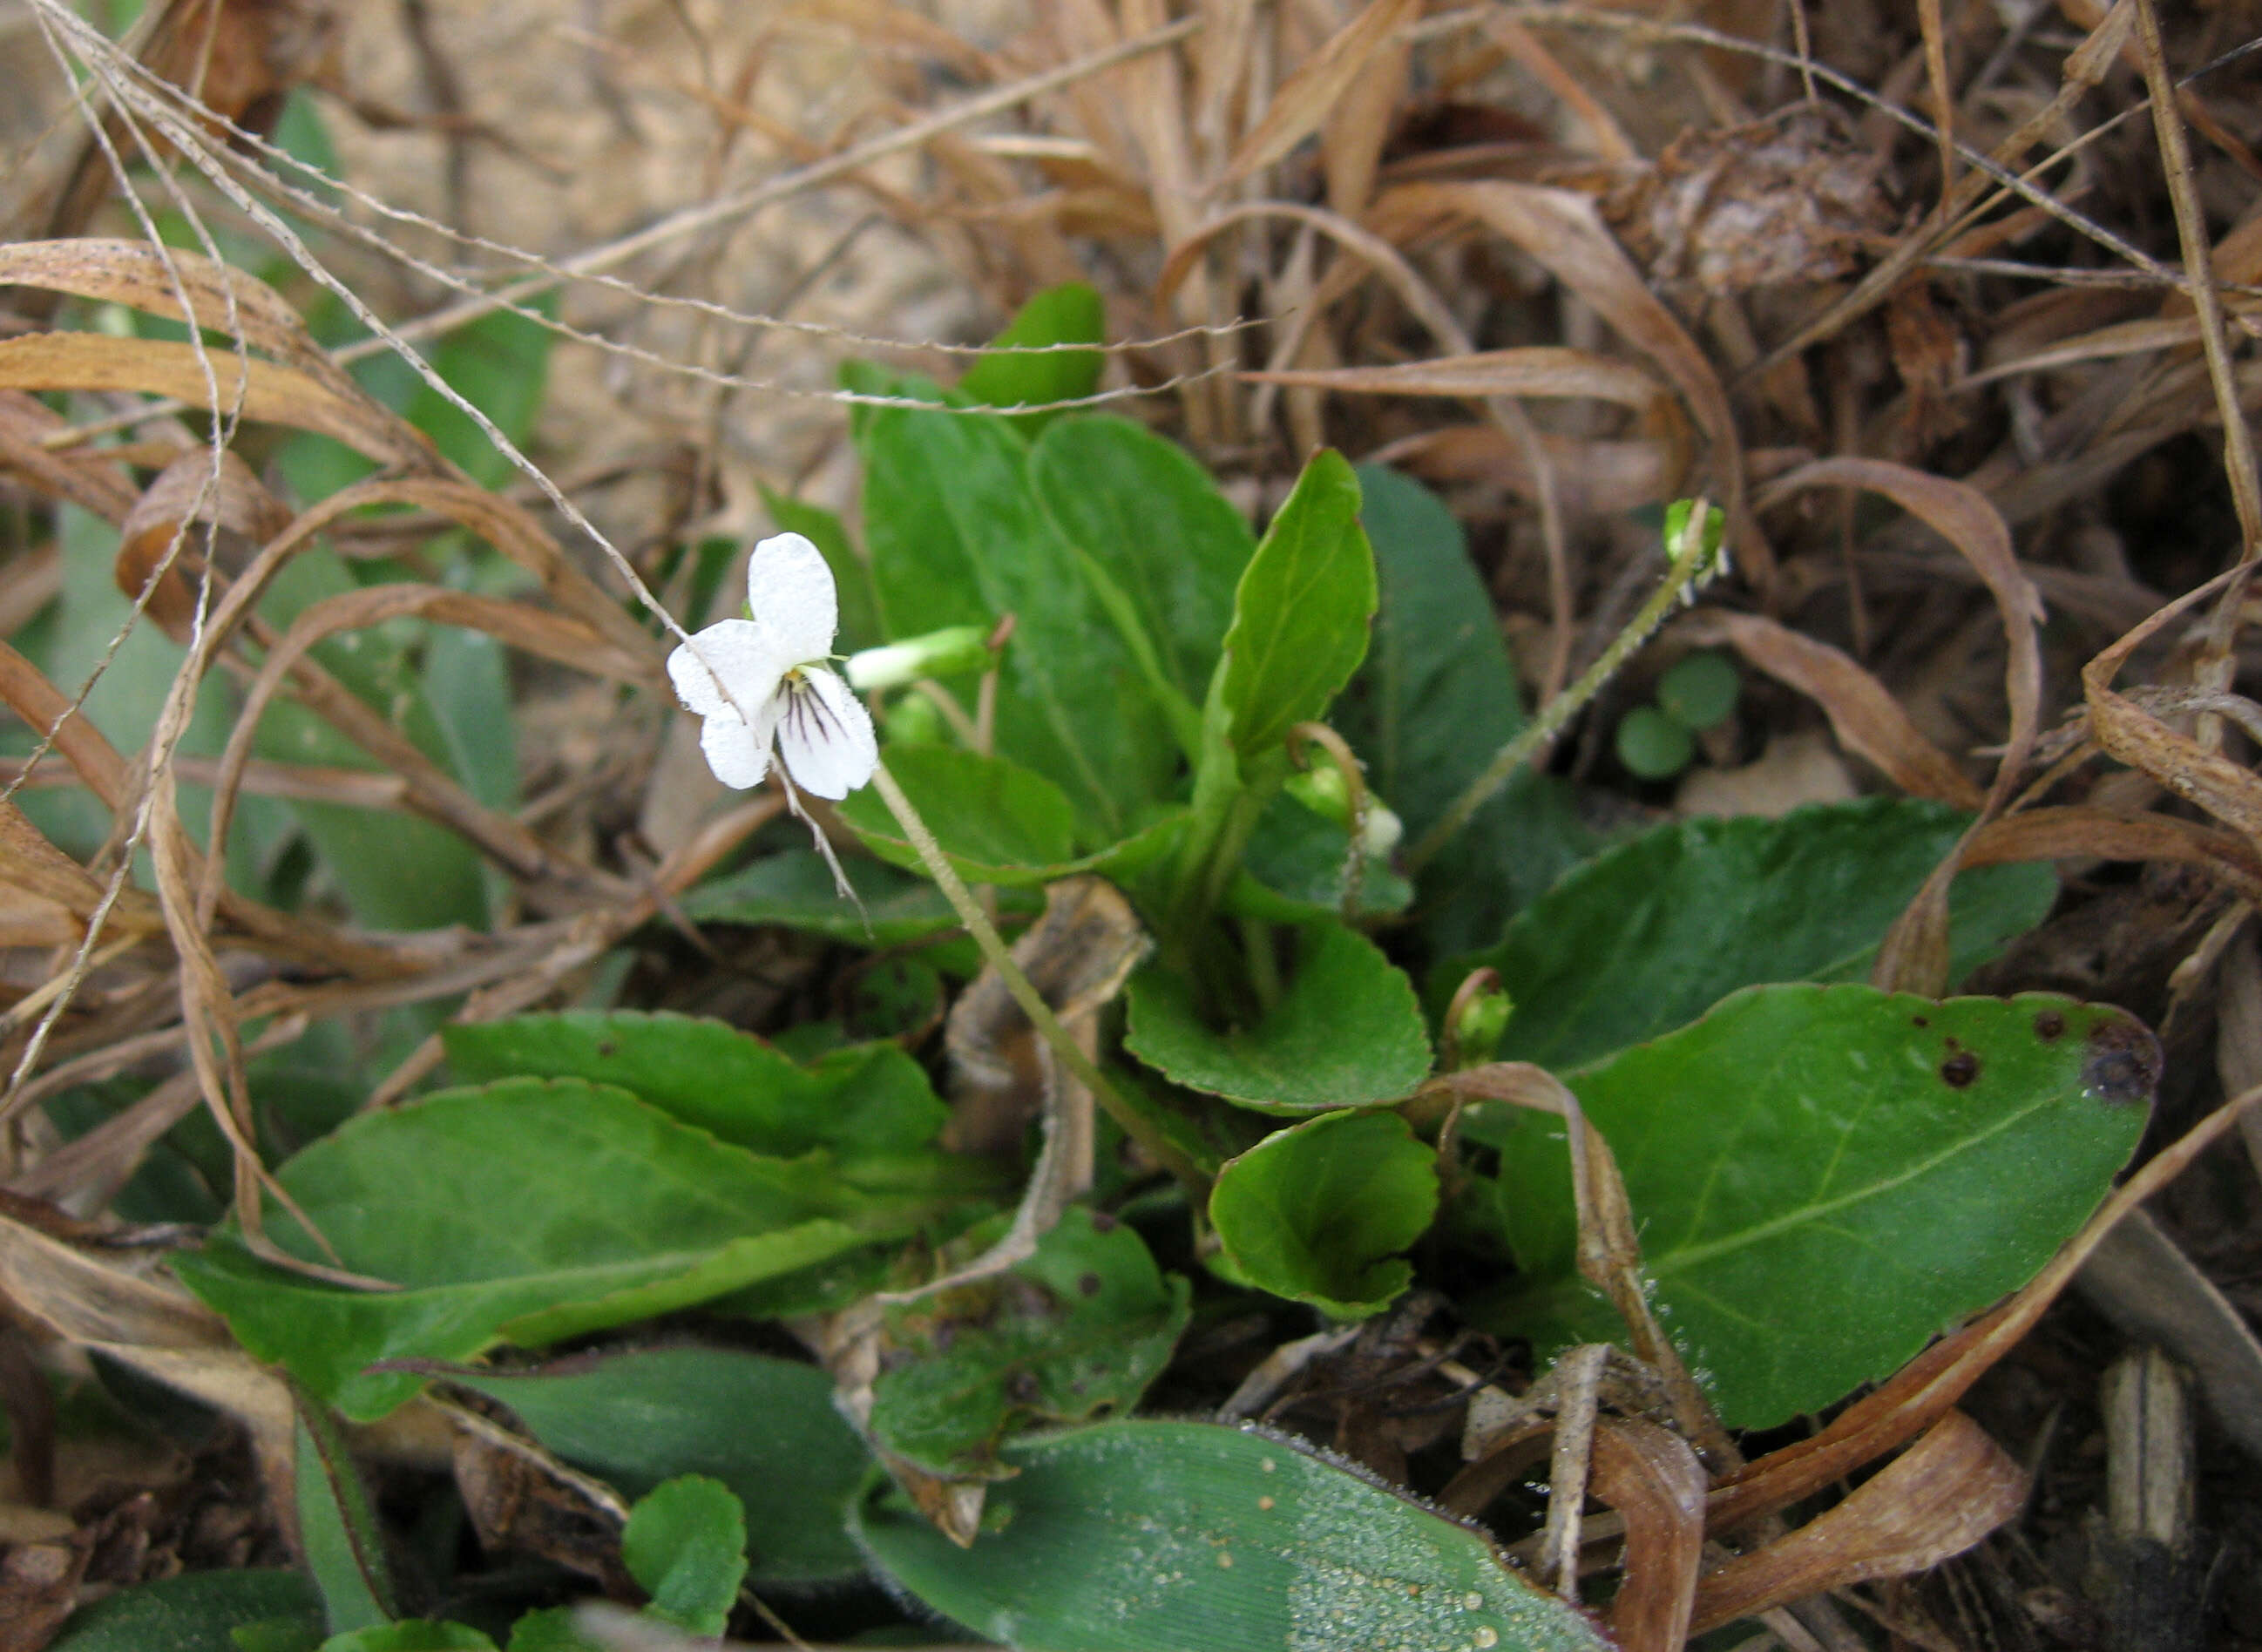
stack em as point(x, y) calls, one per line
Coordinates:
point(755, 680)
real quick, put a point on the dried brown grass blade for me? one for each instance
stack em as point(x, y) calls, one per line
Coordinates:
point(1650, 1477)
point(2076, 832)
point(2232, 794)
point(1863, 713)
point(1610, 1247)
point(1938, 1499)
point(1913, 958)
point(1591, 477)
point(101, 487)
point(1540, 370)
point(29, 862)
point(1564, 233)
point(1310, 96)
point(270, 393)
point(50, 712)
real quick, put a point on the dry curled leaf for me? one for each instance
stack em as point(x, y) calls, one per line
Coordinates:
point(1938, 1499)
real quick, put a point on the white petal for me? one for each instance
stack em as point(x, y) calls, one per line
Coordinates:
point(790, 589)
point(825, 735)
point(746, 656)
point(740, 753)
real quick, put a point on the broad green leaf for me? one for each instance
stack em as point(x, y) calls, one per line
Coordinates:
point(500, 364)
point(709, 1074)
point(1300, 612)
point(1077, 1330)
point(1647, 937)
point(1824, 1177)
point(957, 538)
point(552, 1629)
point(193, 1613)
point(1347, 1031)
point(526, 1210)
point(1070, 313)
point(1434, 699)
point(411, 1634)
point(1154, 527)
point(1295, 866)
point(794, 891)
point(339, 1534)
point(998, 823)
point(1130, 1536)
point(764, 1427)
point(1320, 1212)
point(685, 1544)
point(860, 602)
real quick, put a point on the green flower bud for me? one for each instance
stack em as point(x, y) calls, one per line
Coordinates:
point(951, 652)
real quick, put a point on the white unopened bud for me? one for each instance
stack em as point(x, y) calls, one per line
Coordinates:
point(949, 653)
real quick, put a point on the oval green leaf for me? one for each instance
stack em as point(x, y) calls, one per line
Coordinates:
point(1078, 1329)
point(764, 1427)
point(1319, 1213)
point(1826, 1177)
point(871, 1097)
point(1649, 936)
point(685, 1544)
point(794, 889)
point(1300, 612)
point(525, 1210)
point(194, 1612)
point(1125, 1537)
point(998, 822)
point(1347, 1032)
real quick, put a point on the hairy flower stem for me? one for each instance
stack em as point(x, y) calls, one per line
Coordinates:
point(1693, 561)
point(1069, 1052)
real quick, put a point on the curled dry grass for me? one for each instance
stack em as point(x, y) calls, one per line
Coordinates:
point(1904, 296)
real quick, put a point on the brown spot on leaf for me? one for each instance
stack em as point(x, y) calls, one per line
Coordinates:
point(2049, 1027)
point(1920, 1021)
point(1102, 1223)
point(2123, 1062)
point(606, 1047)
point(1959, 1070)
point(1088, 1284)
point(1022, 1387)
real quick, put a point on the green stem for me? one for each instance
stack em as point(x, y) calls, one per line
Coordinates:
point(1689, 566)
point(1069, 1053)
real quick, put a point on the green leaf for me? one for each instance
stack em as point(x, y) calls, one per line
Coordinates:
point(500, 364)
point(860, 600)
point(686, 1544)
point(996, 821)
point(553, 1629)
point(411, 1634)
point(1700, 692)
point(1294, 868)
point(1318, 1213)
point(957, 538)
point(1647, 937)
point(1653, 746)
point(794, 891)
point(1070, 313)
point(524, 1210)
point(1077, 1330)
point(1346, 1032)
point(1156, 531)
point(344, 1544)
point(1434, 699)
point(1128, 1536)
point(764, 1427)
point(1300, 612)
point(193, 1613)
point(1826, 1177)
point(708, 1074)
